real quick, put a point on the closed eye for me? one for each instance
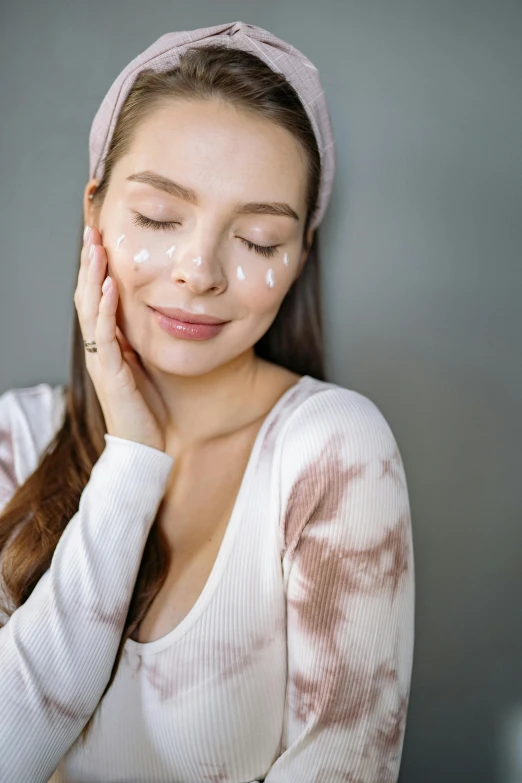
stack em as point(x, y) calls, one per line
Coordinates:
point(157, 225)
point(264, 250)
point(141, 220)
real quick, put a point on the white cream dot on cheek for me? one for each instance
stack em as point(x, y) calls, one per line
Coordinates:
point(171, 250)
point(270, 278)
point(120, 240)
point(143, 255)
point(240, 273)
point(197, 261)
point(285, 259)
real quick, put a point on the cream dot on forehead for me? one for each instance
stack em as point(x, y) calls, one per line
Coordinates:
point(143, 255)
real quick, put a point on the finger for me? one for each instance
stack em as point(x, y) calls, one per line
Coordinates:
point(90, 303)
point(84, 265)
point(109, 351)
point(90, 234)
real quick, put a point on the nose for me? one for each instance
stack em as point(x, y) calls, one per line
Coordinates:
point(198, 269)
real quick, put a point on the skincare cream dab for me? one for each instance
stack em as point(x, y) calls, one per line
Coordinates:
point(285, 259)
point(197, 260)
point(270, 278)
point(120, 240)
point(143, 255)
point(240, 273)
point(171, 250)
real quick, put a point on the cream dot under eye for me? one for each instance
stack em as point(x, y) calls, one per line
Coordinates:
point(143, 255)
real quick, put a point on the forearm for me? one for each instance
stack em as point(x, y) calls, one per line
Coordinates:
point(58, 649)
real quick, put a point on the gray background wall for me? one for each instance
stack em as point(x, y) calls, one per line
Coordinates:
point(423, 279)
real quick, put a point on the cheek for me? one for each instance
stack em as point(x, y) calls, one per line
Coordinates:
point(138, 251)
point(263, 282)
point(136, 255)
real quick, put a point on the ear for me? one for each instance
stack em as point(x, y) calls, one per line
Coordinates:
point(89, 212)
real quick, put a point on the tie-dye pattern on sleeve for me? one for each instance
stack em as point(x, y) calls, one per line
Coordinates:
point(349, 579)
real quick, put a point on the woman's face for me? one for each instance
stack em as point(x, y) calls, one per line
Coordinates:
point(182, 215)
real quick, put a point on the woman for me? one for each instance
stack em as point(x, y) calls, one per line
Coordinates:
point(206, 547)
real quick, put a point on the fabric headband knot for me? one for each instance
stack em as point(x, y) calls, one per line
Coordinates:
point(280, 56)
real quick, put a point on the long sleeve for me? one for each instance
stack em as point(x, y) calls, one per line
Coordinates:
point(349, 579)
point(8, 481)
point(57, 650)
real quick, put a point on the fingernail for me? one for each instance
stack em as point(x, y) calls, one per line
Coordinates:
point(106, 284)
point(91, 252)
point(86, 233)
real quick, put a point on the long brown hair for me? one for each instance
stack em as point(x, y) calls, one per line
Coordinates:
point(49, 498)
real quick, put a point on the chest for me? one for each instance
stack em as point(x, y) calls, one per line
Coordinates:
point(194, 517)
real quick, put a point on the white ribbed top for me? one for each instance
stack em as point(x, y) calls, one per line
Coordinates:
point(294, 664)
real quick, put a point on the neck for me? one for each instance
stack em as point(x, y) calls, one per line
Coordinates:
point(203, 406)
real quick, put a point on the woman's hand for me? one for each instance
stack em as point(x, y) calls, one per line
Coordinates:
point(131, 404)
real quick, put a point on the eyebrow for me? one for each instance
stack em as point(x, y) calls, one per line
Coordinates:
point(187, 194)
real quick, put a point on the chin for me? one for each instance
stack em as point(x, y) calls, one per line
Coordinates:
point(184, 363)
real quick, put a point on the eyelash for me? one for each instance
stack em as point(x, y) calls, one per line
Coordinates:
point(140, 220)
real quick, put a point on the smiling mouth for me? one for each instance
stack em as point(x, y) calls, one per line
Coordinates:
point(186, 330)
point(185, 316)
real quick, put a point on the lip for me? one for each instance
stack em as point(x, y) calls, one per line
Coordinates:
point(186, 316)
point(187, 330)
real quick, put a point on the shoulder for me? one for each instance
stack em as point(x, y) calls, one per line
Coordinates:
point(340, 464)
point(40, 407)
point(338, 416)
point(29, 418)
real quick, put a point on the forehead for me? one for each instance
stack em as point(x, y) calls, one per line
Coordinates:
point(211, 143)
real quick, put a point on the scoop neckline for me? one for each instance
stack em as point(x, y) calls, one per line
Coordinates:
point(157, 645)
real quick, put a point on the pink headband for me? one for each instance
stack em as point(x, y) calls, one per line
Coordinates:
point(283, 58)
